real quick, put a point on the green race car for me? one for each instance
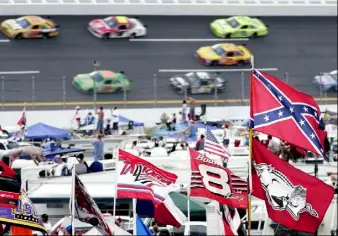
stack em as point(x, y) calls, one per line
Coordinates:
point(238, 27)
point(105, 82)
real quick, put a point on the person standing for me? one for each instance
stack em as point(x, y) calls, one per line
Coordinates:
point(200, 143)
point(98, 148)
point(100, 121)
point(46, 223)
point(77, 116)
point(184, 110)
point(192, 104)
point(115, 120)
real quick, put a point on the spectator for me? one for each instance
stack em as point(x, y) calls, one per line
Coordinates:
point(98, 148)
point(77, 116)
point(46, 223)
point(200, 143)
point(226, 133)
point(184, 110)
point(118, 222)
point(161, 142)
point(190, 132)
point(192, 104)
point(173, 122)
point(115, 120)
point(90, 119)
point(100, 120)
point(61, 168)
point(108, 130)
point(274, 145)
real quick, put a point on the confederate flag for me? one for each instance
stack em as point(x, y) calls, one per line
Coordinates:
point(280, 110)
point(291, 196)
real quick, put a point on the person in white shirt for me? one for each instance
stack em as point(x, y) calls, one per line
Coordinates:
point(46, 223)
point(274, 145)
point(115, 121)
point(158, 151)
point(61, 166)
point(161, 142)
point(184, 110)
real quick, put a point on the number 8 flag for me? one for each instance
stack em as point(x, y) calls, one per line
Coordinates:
point(213, 181)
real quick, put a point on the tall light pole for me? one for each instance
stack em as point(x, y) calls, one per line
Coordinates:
point(95, 64)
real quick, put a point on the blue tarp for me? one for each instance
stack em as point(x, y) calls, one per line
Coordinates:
point(43, 131)
point(141, 228)
point(48, 153)
point(126, 120)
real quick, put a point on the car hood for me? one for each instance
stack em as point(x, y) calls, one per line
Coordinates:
point(179, 81)
point(207, 52)
point(12, 24)
point(84, 80)
point(98, 24)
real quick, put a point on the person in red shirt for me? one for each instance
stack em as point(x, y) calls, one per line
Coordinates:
point(200, 143)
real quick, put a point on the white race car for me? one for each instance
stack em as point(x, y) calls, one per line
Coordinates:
point(117, 27)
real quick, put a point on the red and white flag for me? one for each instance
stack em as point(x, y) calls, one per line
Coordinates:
point(231, 220)
point(293, 198)
point(212, 146)
point(210, 180)
point(86, 209)
point(140, 179)
point(22, 120)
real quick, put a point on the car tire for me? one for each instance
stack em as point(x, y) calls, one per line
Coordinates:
point(90, 91)
point(19, 36)
point(119, 90)
point(45, 36)
point(106, 36)
point(132, 36)
point(213, 63)
point(255, 35)
point(240, 63)
point(226, 36)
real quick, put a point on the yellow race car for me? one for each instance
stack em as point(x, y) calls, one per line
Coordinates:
point(224, 54)
point(29, 27)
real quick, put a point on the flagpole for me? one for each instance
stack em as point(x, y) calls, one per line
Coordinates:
point(334, 208)
point(250, 162)
point(115, 188)
point(134, 216)
point(188, 194)
point(73, 201)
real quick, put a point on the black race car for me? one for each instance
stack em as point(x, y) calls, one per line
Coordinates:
point(198, 83)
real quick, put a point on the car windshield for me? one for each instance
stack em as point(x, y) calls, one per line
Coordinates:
point(12, 145)
point(198, 230)
point(233, 22)
point(97, 77)
point(218, 50)
point(110, 22)
point(23, 23)
point(192, 78)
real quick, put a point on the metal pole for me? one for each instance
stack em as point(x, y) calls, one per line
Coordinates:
point(242, 92)
point(320, 87)
point(286, 77)
point(216, 91)
point(155, 90)
point(33, 91)
point(64, 90)
point(125, 94)
point(95, 64)
point(3, 92)
point(185, 92)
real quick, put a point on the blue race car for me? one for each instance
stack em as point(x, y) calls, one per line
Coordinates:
point(327, 81)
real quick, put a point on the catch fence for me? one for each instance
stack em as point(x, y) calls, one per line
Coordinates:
point(57, 92)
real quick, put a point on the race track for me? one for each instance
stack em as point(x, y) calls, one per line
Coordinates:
point(301, 46)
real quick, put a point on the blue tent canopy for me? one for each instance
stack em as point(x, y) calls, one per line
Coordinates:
point(42, 131)
point(126, 120)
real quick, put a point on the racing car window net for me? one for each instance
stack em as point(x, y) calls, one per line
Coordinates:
point(23, 23)
point(233, 22)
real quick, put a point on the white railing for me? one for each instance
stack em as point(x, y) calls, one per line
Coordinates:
point(170, 7)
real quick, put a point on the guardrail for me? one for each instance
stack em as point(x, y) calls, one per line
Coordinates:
point(170, 7)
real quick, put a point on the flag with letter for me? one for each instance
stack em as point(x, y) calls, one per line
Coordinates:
point(139, 179)
point(291, 196)
point(280, 110)
point(210, 180)
point(212, 146)
point(86, 209)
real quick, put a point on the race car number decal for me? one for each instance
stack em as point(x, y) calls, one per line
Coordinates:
point(212, 177)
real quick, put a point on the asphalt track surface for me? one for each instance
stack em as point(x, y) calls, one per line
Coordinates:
point(301, 46)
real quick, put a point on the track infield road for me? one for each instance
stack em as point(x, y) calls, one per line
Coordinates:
point(300, 46)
